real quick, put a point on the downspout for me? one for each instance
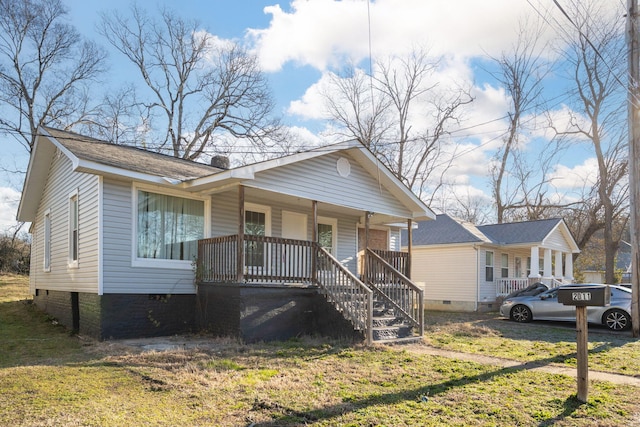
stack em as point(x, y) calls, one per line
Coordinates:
point(477, 274)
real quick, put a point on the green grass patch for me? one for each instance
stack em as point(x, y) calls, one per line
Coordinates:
point(300, 382)
point(542, 342)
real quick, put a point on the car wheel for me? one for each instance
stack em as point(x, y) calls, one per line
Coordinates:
point(521, 313)
point(616, 320)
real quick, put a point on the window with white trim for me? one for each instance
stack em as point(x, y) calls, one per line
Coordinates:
point(488, 266)
point(73, 230)
point(504, 265)
point(327, 234)
point(46, 265)
point(168, 227)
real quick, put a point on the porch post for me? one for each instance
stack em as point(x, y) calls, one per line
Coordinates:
point(535, 263)
point(314, 238)
point(547, 274)
point(240, 243)
point(409, 248)
point(558, 271)
point(366, 247)
point(568, 266)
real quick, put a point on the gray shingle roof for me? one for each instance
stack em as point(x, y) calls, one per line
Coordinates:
point(442, 230)
point(446, 230)
point(130, 158)
point(519, 232)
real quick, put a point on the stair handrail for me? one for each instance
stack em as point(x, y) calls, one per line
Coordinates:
point(406, 307)
point(337, 282)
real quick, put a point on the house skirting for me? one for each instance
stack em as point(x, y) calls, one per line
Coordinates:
point(465, 306)
point(266, 313)
point(116, 316)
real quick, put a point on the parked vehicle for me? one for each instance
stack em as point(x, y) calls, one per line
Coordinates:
point(545, 306)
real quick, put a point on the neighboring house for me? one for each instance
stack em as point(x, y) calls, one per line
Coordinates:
point(596, 273)
point(464, 267)
point(130, 243)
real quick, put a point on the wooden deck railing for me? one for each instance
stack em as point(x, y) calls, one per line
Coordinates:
point(341, 287)
point(399, 260)
point(396, 289)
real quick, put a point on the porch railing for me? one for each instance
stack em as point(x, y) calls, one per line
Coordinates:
point(264, 259)
point(399, 260)
point(342, 288)
point(505, 286)
point(396, 289)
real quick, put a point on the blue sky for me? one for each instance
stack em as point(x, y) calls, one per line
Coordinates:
point(299, 41)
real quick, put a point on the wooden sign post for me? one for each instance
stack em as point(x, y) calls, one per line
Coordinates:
point(582, 297)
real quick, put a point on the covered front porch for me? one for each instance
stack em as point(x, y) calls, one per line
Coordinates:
point(553, 269)
point(332, 258)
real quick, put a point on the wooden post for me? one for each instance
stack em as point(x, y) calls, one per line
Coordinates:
point(366, 247)
point(582, 353)
point(633, 107)
point(240, 244)
point(409, 248)
point(314, 238)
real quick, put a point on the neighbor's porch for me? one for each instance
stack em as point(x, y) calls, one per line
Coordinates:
point(554, 268)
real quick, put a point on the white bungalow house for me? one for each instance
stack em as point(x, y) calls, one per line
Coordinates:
point(130, 243)
point(463, 267)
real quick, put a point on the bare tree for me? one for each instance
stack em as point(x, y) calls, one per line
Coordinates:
point(596, 54)
point(385, 112)
point(200, 88)
point(45, 67)
point(521, 73)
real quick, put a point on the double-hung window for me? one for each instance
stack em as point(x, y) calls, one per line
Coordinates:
point(168, 228)
point(73, 230)
point(46, 265)
point(488, 266)
point(504, 267)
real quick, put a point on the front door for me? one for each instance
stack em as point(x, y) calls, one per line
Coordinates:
point(378, 239)
point(295, 257)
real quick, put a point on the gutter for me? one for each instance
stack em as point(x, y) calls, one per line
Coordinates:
point(475, 247)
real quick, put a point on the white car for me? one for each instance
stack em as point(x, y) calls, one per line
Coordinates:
point(545, 306)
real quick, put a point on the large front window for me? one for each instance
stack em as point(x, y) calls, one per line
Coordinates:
point(168, 227)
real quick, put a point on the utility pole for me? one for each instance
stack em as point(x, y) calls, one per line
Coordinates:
point(633, 45)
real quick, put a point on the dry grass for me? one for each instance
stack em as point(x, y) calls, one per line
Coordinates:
point(299, 382)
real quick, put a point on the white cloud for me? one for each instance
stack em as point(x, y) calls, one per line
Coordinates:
point(584, 175)
point(9, 199)
point(323, 33)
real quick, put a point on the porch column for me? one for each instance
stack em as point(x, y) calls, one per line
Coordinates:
point(547, 274)
point(535, 264)
point(366, 247)
point(240, 243)
point(568, 266)
point(314, 238)
point(409, 248)
point(558, 270)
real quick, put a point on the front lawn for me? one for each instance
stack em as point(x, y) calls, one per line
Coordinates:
point(50, 378)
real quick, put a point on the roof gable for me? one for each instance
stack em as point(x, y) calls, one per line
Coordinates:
point(519, 232)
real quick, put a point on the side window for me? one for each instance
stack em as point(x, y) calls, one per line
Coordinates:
point(488, 266)
point(73, 230)
point(504, 266)
point(46, 265)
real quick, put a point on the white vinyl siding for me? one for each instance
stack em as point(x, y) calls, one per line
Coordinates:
point(47, 241)
point(61, 182)
point(446, 273)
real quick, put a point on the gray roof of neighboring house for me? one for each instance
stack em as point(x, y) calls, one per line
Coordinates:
point(130, 158)
point(446, 230)
point(519, 232)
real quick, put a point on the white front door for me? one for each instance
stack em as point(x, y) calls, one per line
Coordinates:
point(295, 257)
